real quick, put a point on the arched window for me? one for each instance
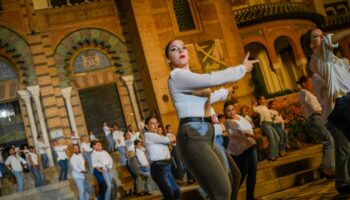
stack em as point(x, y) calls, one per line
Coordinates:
point(7, 70)
point(184, 15)
point(91, 60)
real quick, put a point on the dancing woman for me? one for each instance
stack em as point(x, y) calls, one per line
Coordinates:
point(196, 133)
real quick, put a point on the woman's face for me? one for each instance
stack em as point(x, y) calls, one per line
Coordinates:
point(230, 112)
point(178, 54)
point(316, 38)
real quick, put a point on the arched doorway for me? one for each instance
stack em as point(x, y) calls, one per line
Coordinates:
point(289, 73)
point(264, 77)
point(91, 62)
point(12, 130)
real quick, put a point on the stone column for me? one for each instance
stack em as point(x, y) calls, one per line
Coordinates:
point(66, 92)
point(35, 91)
point(129, 82)
point(25, 95)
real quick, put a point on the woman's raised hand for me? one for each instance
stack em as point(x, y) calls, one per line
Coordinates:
point(248, 64)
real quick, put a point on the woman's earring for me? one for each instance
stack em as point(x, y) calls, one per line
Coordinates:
point(168, 61)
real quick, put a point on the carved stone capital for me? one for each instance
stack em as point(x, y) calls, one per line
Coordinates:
point(66, 92)
point(25, 95)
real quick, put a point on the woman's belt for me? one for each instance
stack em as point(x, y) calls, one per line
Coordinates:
point(195, 119)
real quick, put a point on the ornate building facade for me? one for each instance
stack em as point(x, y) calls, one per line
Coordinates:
point(70, 65)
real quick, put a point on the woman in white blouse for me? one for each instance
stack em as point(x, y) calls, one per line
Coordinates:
point(195, 137)
point(333, 94)
point(242, 146)
point(61, 159)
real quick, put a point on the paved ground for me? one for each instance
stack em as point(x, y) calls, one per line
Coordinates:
point(322, 189)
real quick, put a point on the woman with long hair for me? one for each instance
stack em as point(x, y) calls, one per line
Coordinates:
point(196, 133)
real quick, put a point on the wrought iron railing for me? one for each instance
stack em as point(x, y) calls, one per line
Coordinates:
point(276, 11)
point(336, 22)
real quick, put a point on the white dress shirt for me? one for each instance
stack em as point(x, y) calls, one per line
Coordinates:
point(118, 137)
point(106, 130)
point(157, 146)
point(61, 152)
point(263, 112)
point(85, 147)
point(92, 137)
point(77, 163)
point(309, 103)
point(326, 102)
point(181, 82)
point(34, 158)
point(141, 157)
point(238, 142)
point(333, 71)
point(14, 162)
point(130, 142)
point(42, 147)
point(101, 159)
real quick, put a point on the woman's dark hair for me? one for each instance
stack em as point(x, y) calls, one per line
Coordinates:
point(149, 118)
point(136, 142)
point(302, 80)
point(227, 104)
point(269, 106)
point(259, 99)
point(93, 143)
point(166, 50)
point(167, 126)
point(305, 42)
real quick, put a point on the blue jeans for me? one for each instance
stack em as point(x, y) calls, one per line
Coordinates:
point(83, 188)
point(38, 175)
point(161, 174)
point(107, 176)
point(247, 163)
point(273, 138)
point(146, 173)
point(342, 157)
point(101, 185)
point(87, 157)
point(219, 141)
point(122, 152)
point(64, 169)
point(318, 128)
point(282, 135)
point(111, 143)
point(177, 167)
point(44, 160)
point(2, 169)
point(19, 179)
point(133, 167)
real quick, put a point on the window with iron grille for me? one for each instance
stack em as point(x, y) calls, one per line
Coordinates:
point(184, 16)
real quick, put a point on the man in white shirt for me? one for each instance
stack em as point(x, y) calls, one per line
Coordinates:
point(260, 107)
point(119, 140)
point(36, 167)
point(131, 164)
point(157, 147)
point(144, 166)
point(43, 151)
point(87, 151)
point(61, 159)
point(77, 163)
point(13, 163)
point(312, 110)
point(103, 163)
point(109, 137)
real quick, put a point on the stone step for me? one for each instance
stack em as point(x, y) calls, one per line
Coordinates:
point(51, 191)
point(297, 168)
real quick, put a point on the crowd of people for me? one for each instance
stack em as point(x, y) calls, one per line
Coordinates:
point(219, 151)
